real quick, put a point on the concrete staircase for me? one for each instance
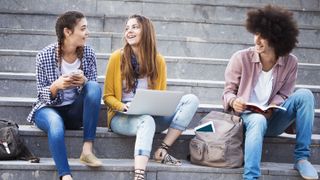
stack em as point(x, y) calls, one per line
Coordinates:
point(196, 37)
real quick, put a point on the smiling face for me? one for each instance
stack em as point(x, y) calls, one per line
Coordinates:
point(133, 32)
point(262, 45)
point(80, 33)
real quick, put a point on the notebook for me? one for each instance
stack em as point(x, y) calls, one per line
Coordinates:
point(154, 102)
point(206, 127)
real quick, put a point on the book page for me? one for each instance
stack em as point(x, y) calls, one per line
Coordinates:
point(262, 109)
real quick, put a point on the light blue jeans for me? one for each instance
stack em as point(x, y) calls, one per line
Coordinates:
point(300, 108)
point(84, 111)
point(144, 126)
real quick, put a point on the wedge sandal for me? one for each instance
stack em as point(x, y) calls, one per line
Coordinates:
point(166, 158)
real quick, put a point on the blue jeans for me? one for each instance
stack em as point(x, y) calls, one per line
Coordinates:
point(84, 111)
point(300, 108)
point(144, 126)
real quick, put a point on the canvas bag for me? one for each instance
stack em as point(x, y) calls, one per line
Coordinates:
point(11, 144)
point(222, 148)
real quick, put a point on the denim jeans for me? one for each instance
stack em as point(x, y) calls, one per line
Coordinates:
point(300, 108)
point(83, 111)
point(144, 126)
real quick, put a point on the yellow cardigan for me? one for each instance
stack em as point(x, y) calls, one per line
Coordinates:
point(113, 86)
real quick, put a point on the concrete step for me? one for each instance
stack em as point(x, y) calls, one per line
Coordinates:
point(24, 61)
point(293, 4)
point(37, 40)
point(122, 169)
point(112, 145)
point(177, 67)
point(18, 108)
point(43, 20)
point(305, 13)
point(214, 69)
point(166, 27)
point(24, 85)
point(104, 42)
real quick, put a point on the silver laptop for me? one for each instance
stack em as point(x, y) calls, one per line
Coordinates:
point(154, 102)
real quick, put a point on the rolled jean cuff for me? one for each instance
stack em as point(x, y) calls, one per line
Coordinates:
point(141, 152)
point(88, 140)
point(177, 126)
point(301, 158)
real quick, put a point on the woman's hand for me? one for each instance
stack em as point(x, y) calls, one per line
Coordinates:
point(78, 79)
point(125, 107)
point(63, 82)
point(238, 105)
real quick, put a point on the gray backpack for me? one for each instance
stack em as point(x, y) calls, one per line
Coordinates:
point(11, 144)
point(222, 148)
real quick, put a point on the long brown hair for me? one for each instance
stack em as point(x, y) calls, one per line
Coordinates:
point(146, 57)
point(67, 20)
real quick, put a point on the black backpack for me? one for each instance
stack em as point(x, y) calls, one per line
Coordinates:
point(11, 144)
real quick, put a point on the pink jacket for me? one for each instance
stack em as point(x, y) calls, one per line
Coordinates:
point(242, 74)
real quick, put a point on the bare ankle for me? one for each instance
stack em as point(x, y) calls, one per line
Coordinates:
point(87, 148)
point(86, 152)
point(67, 177)
point(162, 156)
point(161, 151)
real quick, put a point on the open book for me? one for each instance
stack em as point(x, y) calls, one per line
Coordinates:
point(262, 109)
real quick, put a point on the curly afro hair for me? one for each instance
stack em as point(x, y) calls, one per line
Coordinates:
point(276, 25)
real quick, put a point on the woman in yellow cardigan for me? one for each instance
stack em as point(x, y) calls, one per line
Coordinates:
point(138, 65)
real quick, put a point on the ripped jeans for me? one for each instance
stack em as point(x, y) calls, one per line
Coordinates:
point(145, 126)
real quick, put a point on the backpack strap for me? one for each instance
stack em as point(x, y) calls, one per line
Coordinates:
point(26, 155)
point(6, 123)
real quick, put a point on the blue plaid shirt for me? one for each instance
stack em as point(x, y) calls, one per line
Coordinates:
point(47, 72)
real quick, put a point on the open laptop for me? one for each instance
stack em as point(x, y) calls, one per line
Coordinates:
point(154, 102)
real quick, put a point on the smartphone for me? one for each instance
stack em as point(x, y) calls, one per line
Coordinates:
point(75, 73)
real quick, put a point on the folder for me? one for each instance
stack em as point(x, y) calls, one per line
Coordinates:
point(205, 127)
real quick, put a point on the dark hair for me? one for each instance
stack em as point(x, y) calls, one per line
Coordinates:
point(67, 20)
point(276, 25)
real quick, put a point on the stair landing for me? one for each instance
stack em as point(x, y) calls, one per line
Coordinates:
point(122, 169)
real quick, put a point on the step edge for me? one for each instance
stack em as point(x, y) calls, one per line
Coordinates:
point(159, 37)
point(267, 168)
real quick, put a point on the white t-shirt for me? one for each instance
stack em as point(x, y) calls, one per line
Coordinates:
point(262, 91)
point(69, 95)
point(127, 97)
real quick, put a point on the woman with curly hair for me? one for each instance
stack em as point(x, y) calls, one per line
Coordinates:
point(266, 74)
point(68, 93)
point(138, 65)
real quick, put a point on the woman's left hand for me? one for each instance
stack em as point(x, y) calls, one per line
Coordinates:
point(78, 79)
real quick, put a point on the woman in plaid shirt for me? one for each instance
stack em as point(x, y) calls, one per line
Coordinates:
point(68, 93)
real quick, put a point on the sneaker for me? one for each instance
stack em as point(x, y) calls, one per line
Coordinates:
point(90, 160)
point(306, 170)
